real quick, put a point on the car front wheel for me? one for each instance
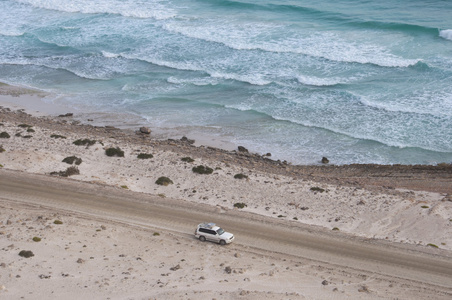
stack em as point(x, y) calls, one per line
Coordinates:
point(222, 242)
point(202, 238)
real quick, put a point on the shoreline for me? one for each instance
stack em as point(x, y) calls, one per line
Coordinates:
point(353, 198)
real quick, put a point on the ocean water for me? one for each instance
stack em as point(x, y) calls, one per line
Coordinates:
point(356, 81)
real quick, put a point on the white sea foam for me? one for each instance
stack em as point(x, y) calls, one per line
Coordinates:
point(327, 45)
point(316, 81)
point(195, 81)
point(446, 34)
point(109, 54)
point(156, 9)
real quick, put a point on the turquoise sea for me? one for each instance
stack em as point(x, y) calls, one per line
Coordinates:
point(357, 81)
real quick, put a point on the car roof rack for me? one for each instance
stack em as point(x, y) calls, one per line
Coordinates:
point(207, 225)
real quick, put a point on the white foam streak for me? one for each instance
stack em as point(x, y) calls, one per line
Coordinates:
point(326, 45)
point(194, 81)
point(109, 54)
point(446, 34)
point(316, 81)
point(150, 9)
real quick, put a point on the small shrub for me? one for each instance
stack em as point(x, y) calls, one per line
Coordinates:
point(295, 218)
point(27, 136)
point(4, 135)
point(18, 134)
point(164, 181)
point(26, 253)
point(425, 206)
point(36, 239)
point(72, 159)
point(24, 126)
point(84, 142)
point(240, 176)
point(57, 136)
point(58, 222)
point(1, 166)
point(317, 189)
point(125, 187)
point(281, 216)
point(162, 195)
point(114, 152)
point(2, 149)
point(202, 170)
point(145, 156)
point(336, 229)
point(156, 234)
point(69, 172)
point(30, 130)
point(432, 245)
point(240, 205)
point(187, 159)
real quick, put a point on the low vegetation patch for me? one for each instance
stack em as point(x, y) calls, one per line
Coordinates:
point(27, 136)
point(36, 239)
point(202, 170)
point(125, 187)
point(187, 159)
point(2, 149)
point(4, 135)
point(432, 245)
point(317, 189)
point(425, 206)
point(162, 195)
point(57, 222)
point(84, 142)
point(26, 253)
point(164, 181)
point(240, 205)
point(335, 229)
point(156, 234)
point(72, 159)
point(57, 136)
point(114, 152)
point(240, 176)
point(30, 130)
point(68, 172)
point(145, 156)
point(1, 166)
point(24, 126)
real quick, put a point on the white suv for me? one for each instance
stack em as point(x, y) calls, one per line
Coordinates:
point(211, 232)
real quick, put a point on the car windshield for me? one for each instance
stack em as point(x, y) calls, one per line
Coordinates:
point(220, 231)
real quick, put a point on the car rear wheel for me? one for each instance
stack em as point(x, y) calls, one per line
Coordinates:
point(222, 242)
point(202, 238)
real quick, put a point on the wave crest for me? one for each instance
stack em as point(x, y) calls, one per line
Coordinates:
point(152, 9)
point(446, 34)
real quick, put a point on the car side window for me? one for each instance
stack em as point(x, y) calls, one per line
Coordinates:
point(203, 230)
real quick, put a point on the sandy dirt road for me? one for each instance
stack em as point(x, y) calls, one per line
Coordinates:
point(428, 266)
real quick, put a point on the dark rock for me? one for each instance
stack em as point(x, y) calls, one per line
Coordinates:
point(325, 282)
point(242, 149)
point(325, 160)
point(145, 130)
point(187, 140)
point(66, 115)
